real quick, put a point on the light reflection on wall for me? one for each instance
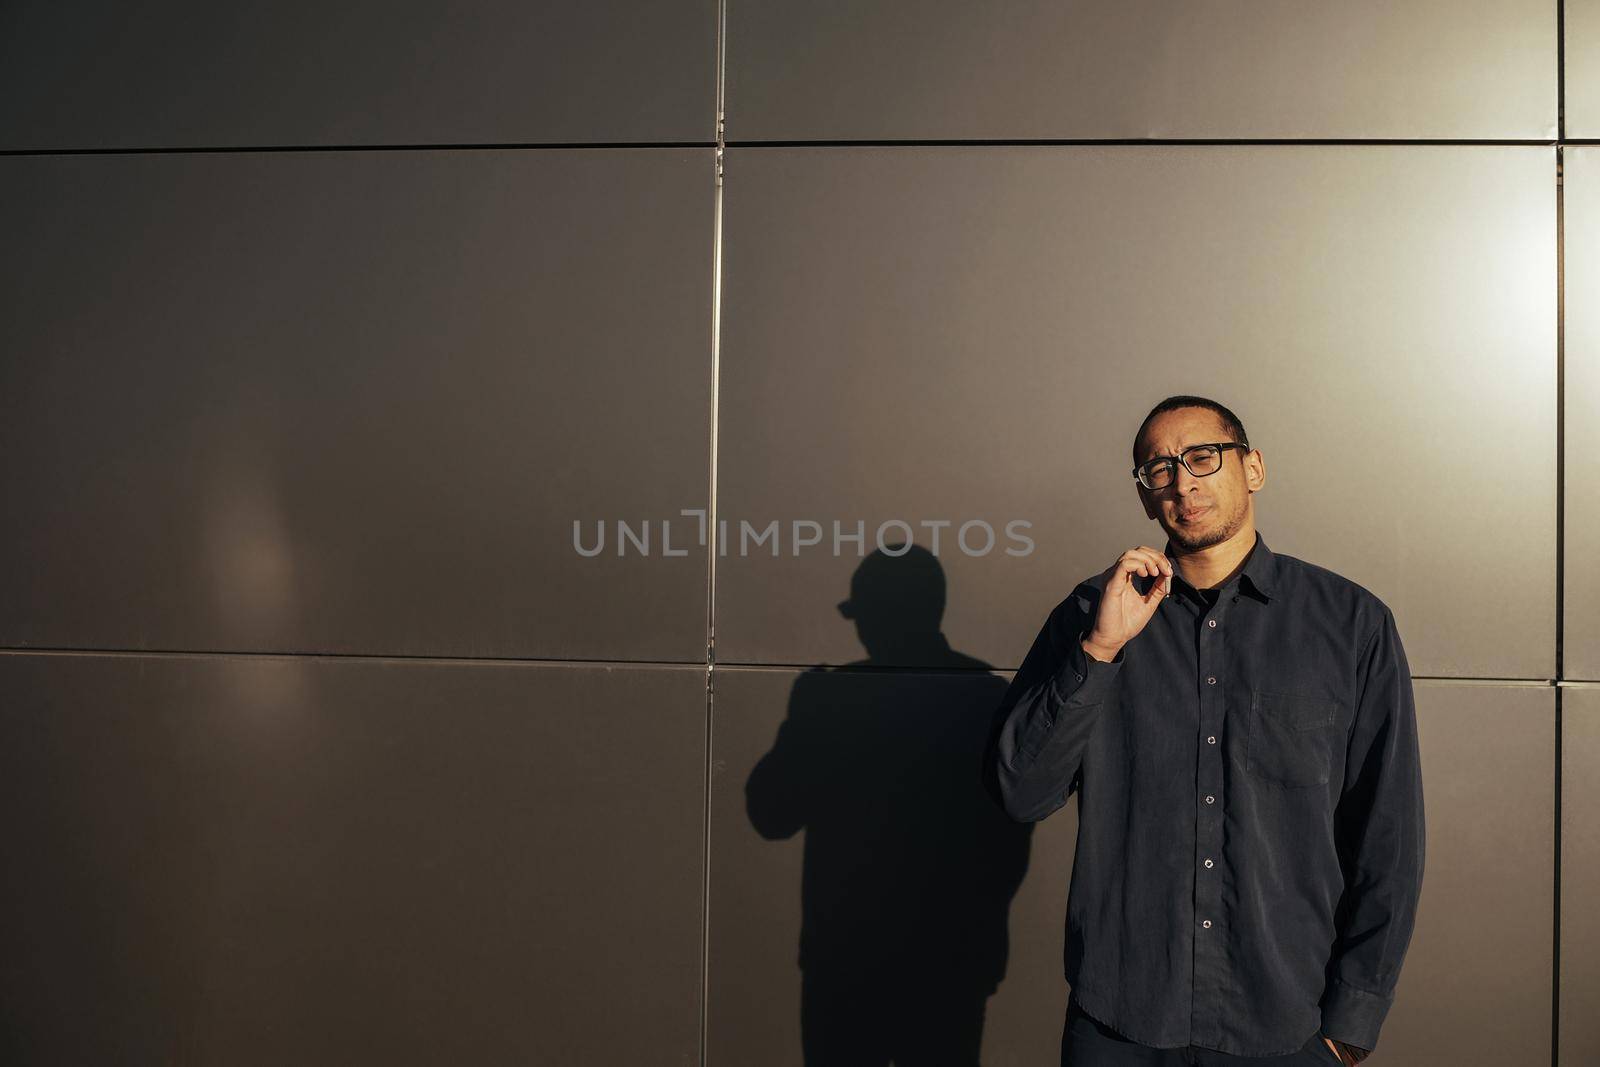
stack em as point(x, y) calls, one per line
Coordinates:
point(249, 552)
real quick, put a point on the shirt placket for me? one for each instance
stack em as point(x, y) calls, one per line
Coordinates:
point(1210, 957)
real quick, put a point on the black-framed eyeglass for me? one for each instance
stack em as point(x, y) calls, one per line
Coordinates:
point(1198, 460)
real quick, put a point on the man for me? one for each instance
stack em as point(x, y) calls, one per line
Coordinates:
point(1239, 728)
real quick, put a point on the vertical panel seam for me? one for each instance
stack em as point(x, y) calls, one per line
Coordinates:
point(711, 542)
point(1560, 608)
point(1560, 600)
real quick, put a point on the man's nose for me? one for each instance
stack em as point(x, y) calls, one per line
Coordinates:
point(1182, 480)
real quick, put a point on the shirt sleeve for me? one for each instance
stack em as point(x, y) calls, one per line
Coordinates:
point(1378, 826)
point(1042, 726)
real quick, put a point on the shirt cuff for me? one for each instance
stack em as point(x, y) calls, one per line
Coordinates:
point(1357, 1053)
point(1083, 681)
point(1353, 1016)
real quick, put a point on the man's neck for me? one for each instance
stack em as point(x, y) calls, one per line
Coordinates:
point(1211, 567)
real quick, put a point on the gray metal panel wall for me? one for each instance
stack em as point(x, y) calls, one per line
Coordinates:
point(265, 860)
point(1582, 395)
point(1581, 67)
point(832, 784)
point(906, 69)
point(1580, 875)
point(334, 406)
point(185, 73)
point(971, 335)
point(355, 402)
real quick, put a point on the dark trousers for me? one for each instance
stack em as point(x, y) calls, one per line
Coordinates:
point(1087, 1042)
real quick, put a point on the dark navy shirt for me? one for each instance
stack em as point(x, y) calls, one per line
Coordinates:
point(1250, 821)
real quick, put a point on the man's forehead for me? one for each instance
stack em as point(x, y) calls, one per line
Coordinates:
point(1182, 435)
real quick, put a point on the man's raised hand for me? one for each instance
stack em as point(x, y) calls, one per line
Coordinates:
point(1124, 611)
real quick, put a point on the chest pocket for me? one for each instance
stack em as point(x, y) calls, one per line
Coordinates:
point(1291, 737)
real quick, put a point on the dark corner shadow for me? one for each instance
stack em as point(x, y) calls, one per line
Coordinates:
point(909, 864)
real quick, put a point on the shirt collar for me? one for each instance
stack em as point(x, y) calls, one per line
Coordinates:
point(1260, 571)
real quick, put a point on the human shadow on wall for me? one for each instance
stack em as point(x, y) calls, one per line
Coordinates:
point(909, 864)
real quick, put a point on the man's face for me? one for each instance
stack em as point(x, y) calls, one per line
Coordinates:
point(1221, 501)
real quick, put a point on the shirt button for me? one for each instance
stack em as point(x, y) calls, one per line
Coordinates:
point(1211, 622)
point(1211, 740)
point(1211, 800)
point(1208, 863)
point(1078, 676)
point(1206, 923)
point(1211, 681)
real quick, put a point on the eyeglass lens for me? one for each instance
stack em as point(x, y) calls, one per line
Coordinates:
point(1200, 461)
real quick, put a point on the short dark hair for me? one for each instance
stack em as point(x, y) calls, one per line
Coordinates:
point(1230, 421)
